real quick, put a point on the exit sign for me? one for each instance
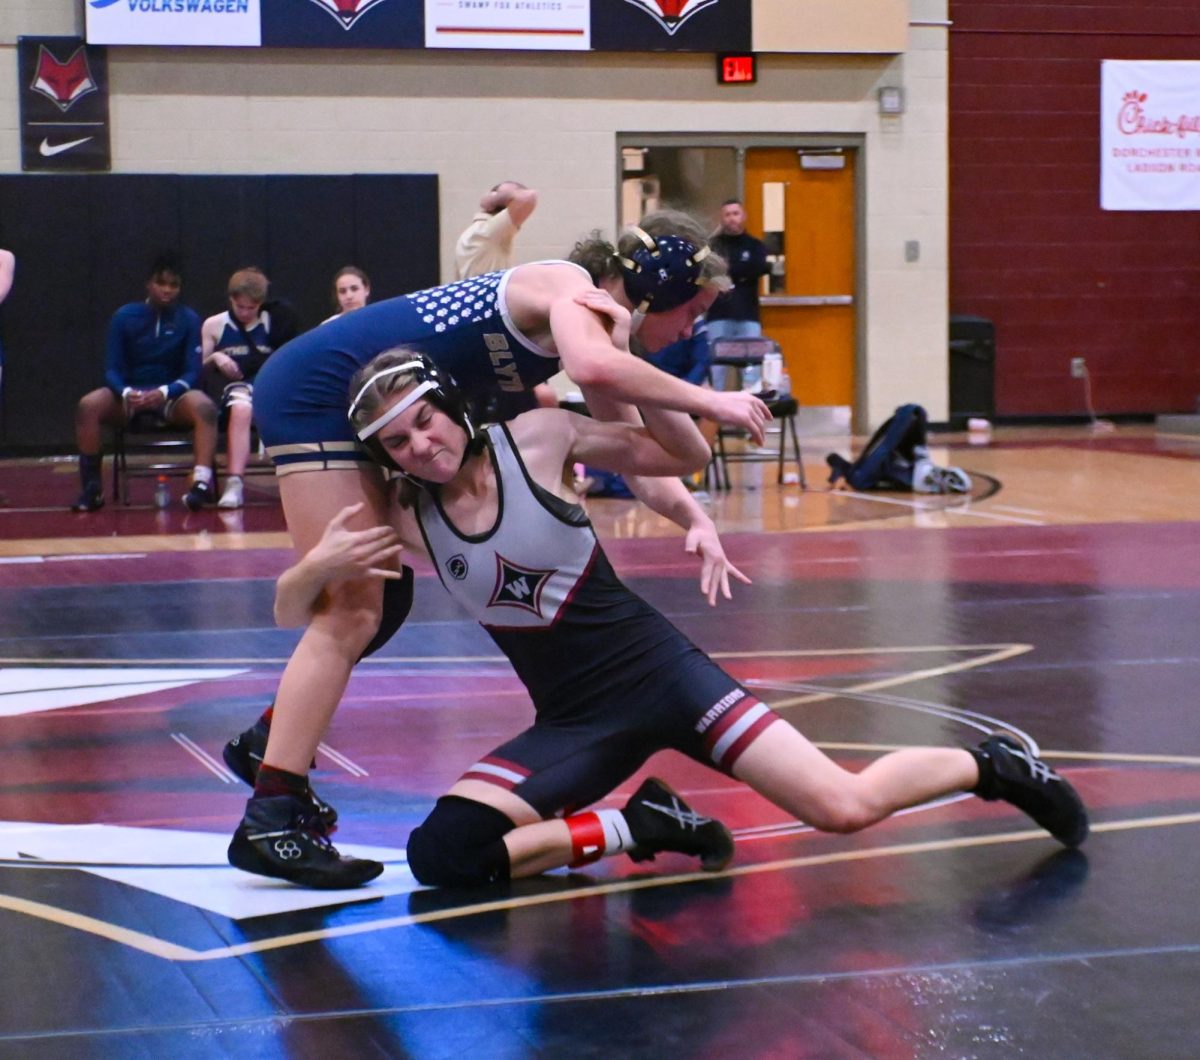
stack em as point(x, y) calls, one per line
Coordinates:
point(737, 68)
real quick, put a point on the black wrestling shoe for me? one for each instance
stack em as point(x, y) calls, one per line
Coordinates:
point(660, 820)
point(90, 500)
point(244, 754)
point(199, 495)
point(281, 837)
point(1009, 772)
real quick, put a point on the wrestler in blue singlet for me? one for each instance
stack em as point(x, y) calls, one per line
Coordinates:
point(300, 397)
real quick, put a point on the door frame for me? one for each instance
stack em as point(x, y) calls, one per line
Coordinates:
point(743, 142)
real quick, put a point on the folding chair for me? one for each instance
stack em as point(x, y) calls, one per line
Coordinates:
point(158, 449)
point(740, 354)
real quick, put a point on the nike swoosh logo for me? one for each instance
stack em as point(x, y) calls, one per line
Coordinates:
point(48, 150)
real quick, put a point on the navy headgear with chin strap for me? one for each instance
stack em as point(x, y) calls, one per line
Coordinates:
point(663, 273)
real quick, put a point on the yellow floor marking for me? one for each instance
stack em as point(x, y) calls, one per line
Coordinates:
point(170, 951)
point(998, 651)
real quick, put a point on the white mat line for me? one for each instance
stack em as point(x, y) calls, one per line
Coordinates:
point(204, 758)
point(350, 767)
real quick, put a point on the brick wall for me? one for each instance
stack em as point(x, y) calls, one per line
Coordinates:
point(1030, 247)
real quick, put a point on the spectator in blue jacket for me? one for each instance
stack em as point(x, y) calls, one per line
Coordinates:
point(687, 359)
point(151, 372)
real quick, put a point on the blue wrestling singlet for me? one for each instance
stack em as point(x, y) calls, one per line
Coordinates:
point(301, 395)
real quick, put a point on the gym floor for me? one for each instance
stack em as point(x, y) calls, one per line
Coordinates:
point(1060, 600)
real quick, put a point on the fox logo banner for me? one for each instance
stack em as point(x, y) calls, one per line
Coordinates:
point(346, 12)
point(64, 105)
point(671, 25)
point(63, 83)
point(343, 23)
point(671, 14)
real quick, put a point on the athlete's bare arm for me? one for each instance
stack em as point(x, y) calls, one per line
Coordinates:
point(544, 300)
point(210, 333)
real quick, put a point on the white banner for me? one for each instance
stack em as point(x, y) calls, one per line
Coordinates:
point(537, 25)
point(1149, 135)
point(212, 22)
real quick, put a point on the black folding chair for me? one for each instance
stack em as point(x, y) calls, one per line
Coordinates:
point(740, 354)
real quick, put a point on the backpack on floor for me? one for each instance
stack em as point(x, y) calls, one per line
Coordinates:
point(897, 458)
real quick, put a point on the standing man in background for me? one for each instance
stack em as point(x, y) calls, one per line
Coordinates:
point(486, 244)
point(735, 314)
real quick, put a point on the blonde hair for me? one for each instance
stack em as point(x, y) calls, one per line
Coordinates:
point(249, 283)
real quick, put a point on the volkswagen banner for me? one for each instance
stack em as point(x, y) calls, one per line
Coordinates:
point(210, 22)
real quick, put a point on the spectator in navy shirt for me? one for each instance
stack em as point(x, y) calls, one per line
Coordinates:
point(151, 372)
point(734, 315)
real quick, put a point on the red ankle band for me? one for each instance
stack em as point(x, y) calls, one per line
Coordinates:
point(587, 838)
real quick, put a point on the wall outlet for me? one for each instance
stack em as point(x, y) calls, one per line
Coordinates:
point(1078, 368)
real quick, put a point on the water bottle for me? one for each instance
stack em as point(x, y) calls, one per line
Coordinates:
point(752, 378)
point(772, 371)
point(162, 493)
point(785, 384)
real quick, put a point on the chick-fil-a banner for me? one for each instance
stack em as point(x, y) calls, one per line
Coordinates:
point(1149, 135)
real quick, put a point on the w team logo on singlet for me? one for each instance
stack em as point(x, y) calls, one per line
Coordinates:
point(518, 586)
point(671, 14)
point(346, 12)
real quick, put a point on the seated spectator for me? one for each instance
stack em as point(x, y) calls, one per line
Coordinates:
point(351, 290)
point(687, 359)
point(235, 344)
point(151, 372)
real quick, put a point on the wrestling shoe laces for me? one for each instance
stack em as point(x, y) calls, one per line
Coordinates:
point(244, 754)
point(1008, 772)
point(281, 837)
point(659, 820)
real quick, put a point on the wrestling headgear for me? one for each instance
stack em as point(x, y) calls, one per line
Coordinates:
point(432, 383)
point(663, 273)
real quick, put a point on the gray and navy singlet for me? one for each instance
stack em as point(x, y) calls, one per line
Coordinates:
point(612, 680)
point(301, 394)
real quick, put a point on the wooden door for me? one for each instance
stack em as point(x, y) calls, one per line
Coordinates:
point(809, 304)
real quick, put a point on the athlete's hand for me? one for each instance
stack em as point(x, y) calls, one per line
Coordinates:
point(602, 302)
point(715, 569)
point(227, 366)
point(145, 400)
point(736, 408)
point(344, 553)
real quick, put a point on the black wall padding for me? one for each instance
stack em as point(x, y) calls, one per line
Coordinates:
point(85, 242)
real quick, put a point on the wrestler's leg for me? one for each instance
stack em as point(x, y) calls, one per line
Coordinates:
point(537, 784)
point(318, 671)
point(788, 769)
